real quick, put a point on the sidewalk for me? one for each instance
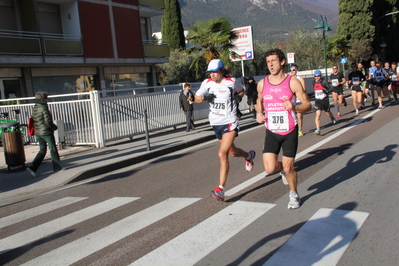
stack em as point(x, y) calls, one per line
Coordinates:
point(83, 162)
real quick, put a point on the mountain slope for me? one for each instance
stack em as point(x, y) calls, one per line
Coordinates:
point(271, 20)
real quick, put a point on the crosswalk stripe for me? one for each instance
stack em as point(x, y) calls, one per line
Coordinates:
point(80, 248)
point(322, 240)
point(58, 224)
point(191, 246)
point(25, 215)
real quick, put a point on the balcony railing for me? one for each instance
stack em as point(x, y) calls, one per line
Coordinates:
point(155, 49)
point(38, 43)
point(153, 3)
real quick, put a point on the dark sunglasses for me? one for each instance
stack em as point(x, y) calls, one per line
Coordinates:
point(317, 76)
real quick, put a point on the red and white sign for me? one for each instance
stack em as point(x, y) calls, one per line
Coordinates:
point(243, 43)
point(290, 58)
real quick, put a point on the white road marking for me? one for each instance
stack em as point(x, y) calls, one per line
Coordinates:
point(258, 177)
point(322, 240)
point(83, 247)
point(191, 246)
point(245, 184)
point(25, 215)
point(46, 229)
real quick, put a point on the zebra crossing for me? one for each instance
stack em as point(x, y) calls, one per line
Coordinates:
point(190, 246)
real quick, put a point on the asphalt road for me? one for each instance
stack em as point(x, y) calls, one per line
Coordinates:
point(160, 213)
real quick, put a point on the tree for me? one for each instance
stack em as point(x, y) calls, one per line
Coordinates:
point(355, 19)
point(356, 24)
point(387, 27)
point(338, 47)
point(177, 70)
point(172, 28)
point(212, 39)
point(308, 49)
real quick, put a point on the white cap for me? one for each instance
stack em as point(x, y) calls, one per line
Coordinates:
point(215, 65)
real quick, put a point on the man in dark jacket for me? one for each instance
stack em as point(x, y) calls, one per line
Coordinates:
point(44, 132)
point(186, 100)
point(252, 94)
point(321, 91)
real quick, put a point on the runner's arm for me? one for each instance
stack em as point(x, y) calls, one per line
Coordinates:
point(296, 88)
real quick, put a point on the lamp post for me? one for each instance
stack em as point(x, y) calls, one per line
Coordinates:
point(322, 27)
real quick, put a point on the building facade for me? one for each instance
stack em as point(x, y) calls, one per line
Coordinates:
point(69, 46)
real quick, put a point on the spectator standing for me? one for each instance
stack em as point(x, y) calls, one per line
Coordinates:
point(222, 93)
point(186, 100)
point(44, 132)
point(321, 91)
point(252, 94)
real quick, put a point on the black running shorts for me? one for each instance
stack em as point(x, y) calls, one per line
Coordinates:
point(274, 142)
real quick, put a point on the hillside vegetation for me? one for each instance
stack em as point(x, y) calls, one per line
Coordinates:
point(271, 20)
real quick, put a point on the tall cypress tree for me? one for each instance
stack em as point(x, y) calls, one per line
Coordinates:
point(362, 22)
point(172, 28)
point(355, 19)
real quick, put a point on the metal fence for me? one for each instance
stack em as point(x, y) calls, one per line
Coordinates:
point(92, 120)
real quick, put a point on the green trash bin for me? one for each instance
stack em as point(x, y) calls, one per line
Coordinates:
point(13, 146)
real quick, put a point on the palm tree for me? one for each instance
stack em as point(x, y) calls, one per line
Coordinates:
point(213, 39)
point(338, 47)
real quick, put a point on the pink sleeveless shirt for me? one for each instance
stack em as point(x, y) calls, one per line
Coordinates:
point(278, 120)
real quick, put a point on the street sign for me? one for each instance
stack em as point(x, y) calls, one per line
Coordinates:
point(243, 43)
point(290, 58)
point(344, 60)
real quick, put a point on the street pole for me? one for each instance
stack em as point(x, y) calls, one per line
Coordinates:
point(325, 55)
point(322, 27)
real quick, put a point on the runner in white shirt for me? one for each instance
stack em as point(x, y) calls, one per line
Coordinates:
point(223, 94)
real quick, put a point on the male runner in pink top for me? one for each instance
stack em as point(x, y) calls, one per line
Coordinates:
point(276, 108)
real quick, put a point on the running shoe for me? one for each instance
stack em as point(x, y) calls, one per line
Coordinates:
point(249, 164)
point(380, 107)
point(300, 133)
point(33, 174)
point(218, 194)
point(333, 120)
point(295, 201)
point(338, 115)
point(345, 103)
point(357, 112)
point(374, 103)
point(317, 132)
point(283, 178)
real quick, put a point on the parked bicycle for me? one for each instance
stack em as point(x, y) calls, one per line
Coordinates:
point(9, 125)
